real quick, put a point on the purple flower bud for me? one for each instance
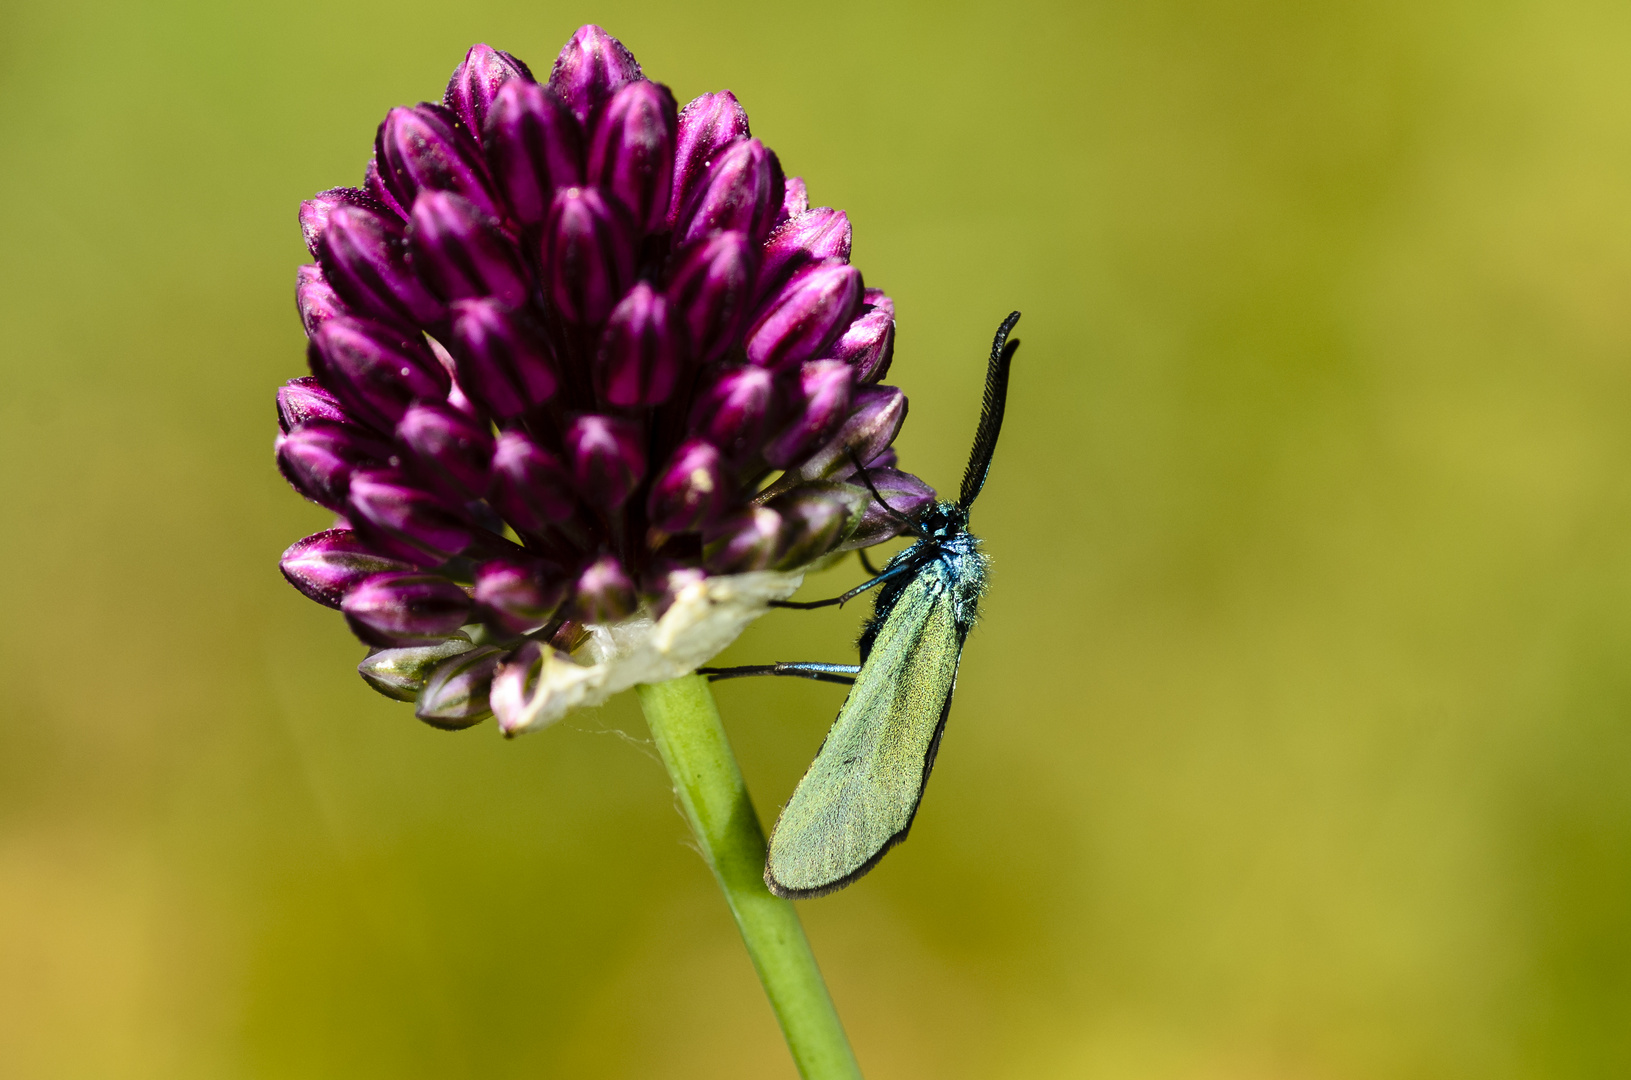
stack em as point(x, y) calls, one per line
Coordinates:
point(796, 200)
point(455, 695)
point(812, 236)
point(805, 316)
point(319, 458)
point(711, 285)
point(396, 608)
point(605, 592)
point(690, 490)
point(736, 411)
point(907, 497)
point(812, 524)
point(707, 125)
point(533, 146)
point(304, 399)
point(376, 370)
point(638, 361)
point(314, 212)
point(364, 257)
point(742, 191)
point(875, 418)
point(449, 449)
point(402, 673)
point(425, 148)
point(824, 393)
point(588, 255)
point(531, 488)
point(386, 502)
point(742, 542)
point(631, 156)
point(477, 81)
point(328, 565)
point(314, 299)
point(868, 343)
point(502, 357)
point(607, 455)
point(462, 253)
point(591, 68)
point(520, 594)
point(373, 185)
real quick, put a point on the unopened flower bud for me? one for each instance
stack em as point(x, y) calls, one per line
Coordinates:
point(876, 415)
point(742, 542)
point(824, 398)
point(813, 236)
point(796, 200)
point(520, 594)
point(531, 488)
point(736, 412)
point(640, 352)
point(401, 673)
point(424, 148)
point(401, 608)
point(588, 254)
point(592, 66)
point(707, 125)
point(375, 186)
point(386, 502)
point(607, 456)
point(319, 458)
point(689, 491)
point(907, 497)
point(449, 449)
point(462, 253)
point(455, 694)
point(302, 400)
point(868, 343)
point(503, 359)
point(533, 146)
point(605, 592)
point(631, 157)
point(477, 81)
point(712, 285)
point(315, 211)
point(806, 315)
point(742, 191)
point(377, 370)
point(364, 255)
point(315, 299)
point(813, 522)
point(328, 565)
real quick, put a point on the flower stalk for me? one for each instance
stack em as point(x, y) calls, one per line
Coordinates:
point(691, 738)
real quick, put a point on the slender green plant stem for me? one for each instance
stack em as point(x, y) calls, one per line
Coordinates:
point(691, 738)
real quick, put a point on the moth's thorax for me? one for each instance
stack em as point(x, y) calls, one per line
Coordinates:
point(949, 557)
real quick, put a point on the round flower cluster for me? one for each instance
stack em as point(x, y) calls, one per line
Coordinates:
point(575, 354)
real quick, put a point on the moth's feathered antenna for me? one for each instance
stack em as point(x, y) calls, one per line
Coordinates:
point(996, 398)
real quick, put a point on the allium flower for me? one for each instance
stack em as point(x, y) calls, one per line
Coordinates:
point(590, 383)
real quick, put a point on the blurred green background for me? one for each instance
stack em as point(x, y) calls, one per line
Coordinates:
point(1294, 743)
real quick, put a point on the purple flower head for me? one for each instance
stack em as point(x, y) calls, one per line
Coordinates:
point(578, 357)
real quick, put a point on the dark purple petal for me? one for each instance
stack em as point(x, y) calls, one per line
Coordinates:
point(607, 456)
point(304, 399)
point(364, 255)
point(316, 301)
point(736, 411)
point(742, 191)
point(907, 497)
point(806, 316)
point(328, 565)
point(689, 491)
point(532, 489)
point(377, 370)
point(824, 398)
point(875, 418)
point(588, 255)
point(813, 236)
point(396, 608)
point(503, 359)
point(533, 146)
point(455, 695)
point(812, 524)
point(796, 199)
point(707, 125)
point(711, 287)
point(388, 502)
point(742, 542)
point(449, 449)
point(638, 362)
point(425, 148)
point(374, 185)
point(319, 458)
point(401, 673)
point(477, 81)
point(868, 343)
point(520, 594)
point(461, 253)
point(605, 592)
point(592, 67)
point(315, 211)
point(631, 156)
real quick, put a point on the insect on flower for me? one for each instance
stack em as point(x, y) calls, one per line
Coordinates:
point(862, 791)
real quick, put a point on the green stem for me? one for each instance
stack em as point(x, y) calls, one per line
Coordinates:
point(691, 739)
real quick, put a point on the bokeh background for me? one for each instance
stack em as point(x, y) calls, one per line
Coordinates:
point(1295, 743)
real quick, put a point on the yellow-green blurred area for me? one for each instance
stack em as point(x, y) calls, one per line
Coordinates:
point(1296, 740)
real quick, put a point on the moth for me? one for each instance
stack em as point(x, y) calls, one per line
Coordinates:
point(862, 791)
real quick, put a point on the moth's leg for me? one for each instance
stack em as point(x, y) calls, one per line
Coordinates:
point(842, 674)
point(866, 563)
point(887, 575)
